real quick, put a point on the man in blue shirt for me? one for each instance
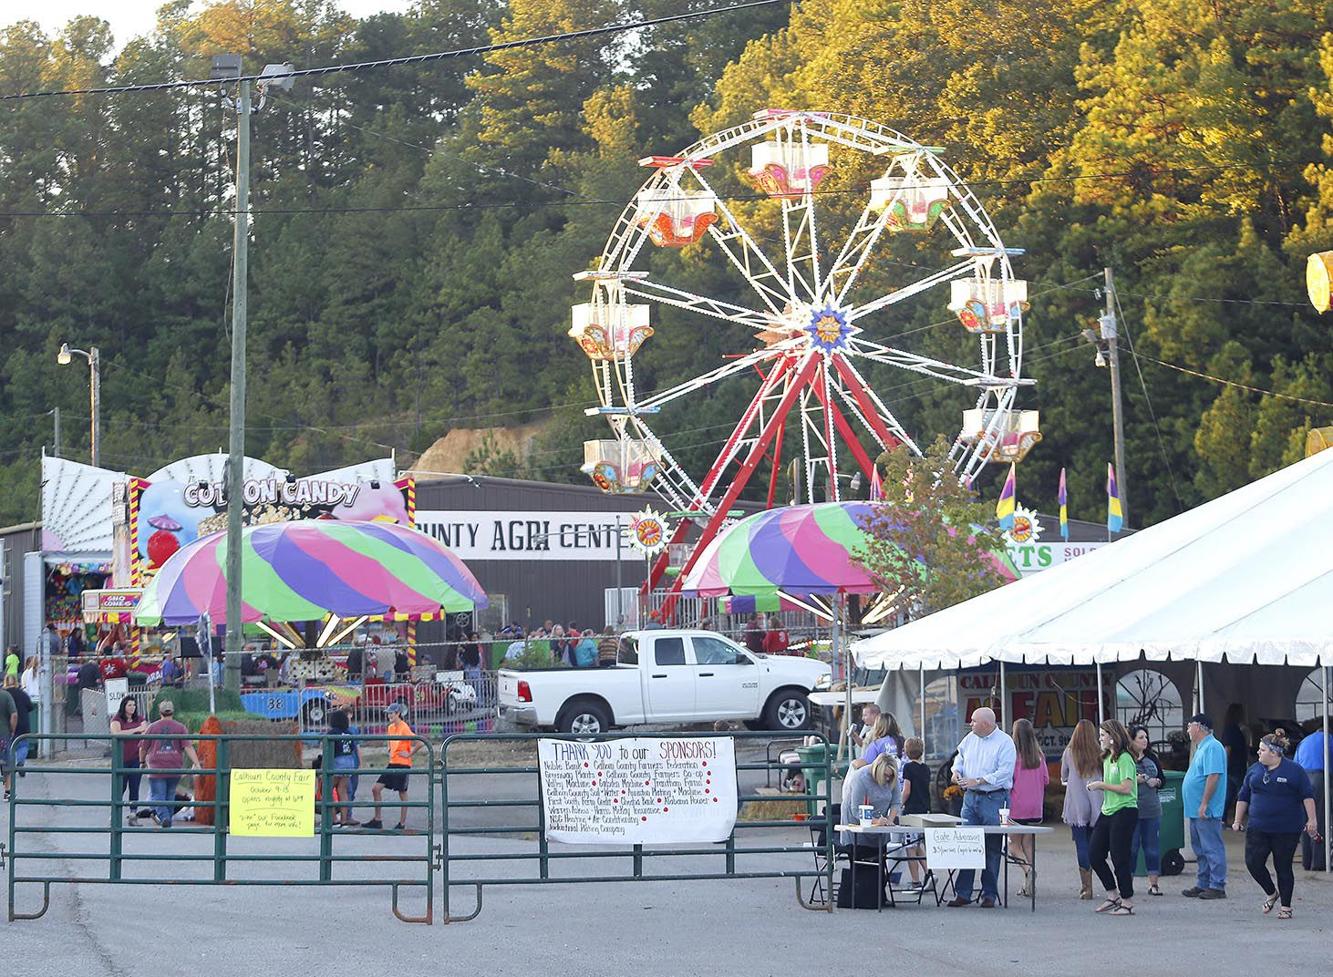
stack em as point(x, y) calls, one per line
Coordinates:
point(1312, 754)
point(984, 768)
point(1203, 792)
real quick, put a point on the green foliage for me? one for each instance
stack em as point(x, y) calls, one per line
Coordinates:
point(416, 228)
point(929, 543)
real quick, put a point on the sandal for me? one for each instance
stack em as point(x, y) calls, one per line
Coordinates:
point(1154, 890)
point(1269, 903)
point(1284, 913)
point(1110, 903)
point(1122, 910)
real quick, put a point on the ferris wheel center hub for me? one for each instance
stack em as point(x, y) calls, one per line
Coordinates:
point(824, 327)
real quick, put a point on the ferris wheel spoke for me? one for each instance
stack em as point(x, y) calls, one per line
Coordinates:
point(716, 308)
point(857, 248)
point(746, 255)
point(916, 288)
point(903, 360)
point(870, 409)
point(739, 365)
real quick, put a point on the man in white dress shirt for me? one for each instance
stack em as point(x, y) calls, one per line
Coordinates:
point(984, 768)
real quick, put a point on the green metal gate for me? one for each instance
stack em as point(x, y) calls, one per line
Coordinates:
point(107, 848)
point(808, 861)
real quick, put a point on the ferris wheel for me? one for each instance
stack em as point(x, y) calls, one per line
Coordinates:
point(813, 312)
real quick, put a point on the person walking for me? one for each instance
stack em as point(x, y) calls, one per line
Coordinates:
point(1204, 793)
point(12, 661)
point(1079, 765)
point(401, 750)
point(1277, 800)
point(345, 757)
point(1114, 833)
point(164, 759)
point(1027, 800)
point(8, 724)
point(129, 726)
point(984, 769)
point(1312, 755)
point(1147, 831)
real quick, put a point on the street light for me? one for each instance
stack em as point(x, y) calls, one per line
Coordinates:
point(94, 358)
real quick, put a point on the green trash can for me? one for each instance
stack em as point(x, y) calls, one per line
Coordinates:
point(812, 769)
point(1171, 837)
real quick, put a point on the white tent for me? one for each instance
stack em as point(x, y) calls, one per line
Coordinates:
point(1245, 579)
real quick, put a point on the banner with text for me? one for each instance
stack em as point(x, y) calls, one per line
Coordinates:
point(273, 803)
point(528, 535)
point(644, 790)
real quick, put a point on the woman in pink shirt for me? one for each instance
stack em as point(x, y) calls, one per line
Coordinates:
point(1027, 799)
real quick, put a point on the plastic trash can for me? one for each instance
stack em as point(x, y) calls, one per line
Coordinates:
point(1172, 834)
point(812, 768)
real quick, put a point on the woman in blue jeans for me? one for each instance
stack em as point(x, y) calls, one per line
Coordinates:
point(1080, 763)
point(1147, 832)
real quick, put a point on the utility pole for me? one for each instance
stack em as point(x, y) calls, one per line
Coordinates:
point(55, 448)
point(1110, 332)
point(236, 439)
point(95, 383)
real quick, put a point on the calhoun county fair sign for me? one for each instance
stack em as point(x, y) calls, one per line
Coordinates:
point(535, 535)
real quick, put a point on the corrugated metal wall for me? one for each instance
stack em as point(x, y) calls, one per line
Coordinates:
point(15, 541)
point(562, 590)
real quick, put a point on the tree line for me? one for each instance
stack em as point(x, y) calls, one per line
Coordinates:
point(416, 227)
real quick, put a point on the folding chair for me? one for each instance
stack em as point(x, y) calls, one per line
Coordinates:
point(819, 844)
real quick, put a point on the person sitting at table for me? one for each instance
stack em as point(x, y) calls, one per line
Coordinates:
point(985, 770)
point(877, 785)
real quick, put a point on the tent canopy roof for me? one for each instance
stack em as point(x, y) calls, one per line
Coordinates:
point(1245, 578)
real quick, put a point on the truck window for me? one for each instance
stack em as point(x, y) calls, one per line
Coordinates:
point(714, 651)
point(628, 652)
point(669, 651)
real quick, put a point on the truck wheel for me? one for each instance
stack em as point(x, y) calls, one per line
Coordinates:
point(788, 709)
point(584, 718)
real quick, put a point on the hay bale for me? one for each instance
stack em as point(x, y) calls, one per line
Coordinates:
point(775, 806)
point(262, 754)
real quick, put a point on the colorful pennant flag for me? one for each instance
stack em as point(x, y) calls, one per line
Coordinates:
point(1115, 515)
point(1063, 498)
point(1004, 509)
point(876, 486)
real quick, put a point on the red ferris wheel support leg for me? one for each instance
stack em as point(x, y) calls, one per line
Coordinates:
point(747, 469)
point(868, 408)
point(849, 437)
point(663, 560)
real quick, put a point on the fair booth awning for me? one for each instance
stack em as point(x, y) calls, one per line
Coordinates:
point(1244, 579)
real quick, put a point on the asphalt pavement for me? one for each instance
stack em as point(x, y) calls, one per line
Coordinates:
point(676, 928)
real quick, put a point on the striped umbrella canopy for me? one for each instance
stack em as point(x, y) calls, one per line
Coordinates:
point(307, 569)
point(799, 550)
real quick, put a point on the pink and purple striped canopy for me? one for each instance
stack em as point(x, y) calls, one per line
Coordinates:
point(798, 550)
point(307, 569)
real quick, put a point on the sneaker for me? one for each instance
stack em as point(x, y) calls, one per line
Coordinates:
point(1193, 892)
point(374, 825)
point(351, 824)
point(1213, 894)
point(400, 826)
point(166, 824)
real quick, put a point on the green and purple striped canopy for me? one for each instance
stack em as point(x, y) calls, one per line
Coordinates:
point(307, 569)
point(798, 550)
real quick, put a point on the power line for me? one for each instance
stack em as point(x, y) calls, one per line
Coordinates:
point(1237, 384)
point(1161, 443)
point(408, 59)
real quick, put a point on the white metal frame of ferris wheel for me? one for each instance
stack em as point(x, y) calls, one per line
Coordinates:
point(829, 395)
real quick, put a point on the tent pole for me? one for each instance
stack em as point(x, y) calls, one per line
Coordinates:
point(921, 733)
point(1101, 699)
point(1002, 695)
point(841, 643)
point(1198, 685)
point(1328, 866)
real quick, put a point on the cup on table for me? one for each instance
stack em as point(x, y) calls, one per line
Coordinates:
point(866, 813)
point(1004, 816)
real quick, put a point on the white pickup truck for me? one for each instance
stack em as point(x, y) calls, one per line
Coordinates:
point(664, 676)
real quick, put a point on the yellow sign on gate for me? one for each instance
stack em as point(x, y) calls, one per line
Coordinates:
point(273, 803)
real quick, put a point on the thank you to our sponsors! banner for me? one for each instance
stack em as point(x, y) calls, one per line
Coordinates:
point(645, 790)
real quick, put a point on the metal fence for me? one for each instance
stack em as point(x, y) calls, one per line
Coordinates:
point(808, 862)
point(87, 821)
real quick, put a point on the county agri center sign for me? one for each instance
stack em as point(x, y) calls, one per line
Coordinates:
point(529, 535)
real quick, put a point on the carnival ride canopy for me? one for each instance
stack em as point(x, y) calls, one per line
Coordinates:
point(307, 569)
point(1243, 579)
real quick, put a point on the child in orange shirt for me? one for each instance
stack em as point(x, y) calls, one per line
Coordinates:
point(401, 750)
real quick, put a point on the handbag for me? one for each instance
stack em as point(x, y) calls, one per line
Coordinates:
point(868, 894)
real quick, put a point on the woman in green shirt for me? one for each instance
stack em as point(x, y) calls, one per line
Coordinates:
point(1114, 832)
